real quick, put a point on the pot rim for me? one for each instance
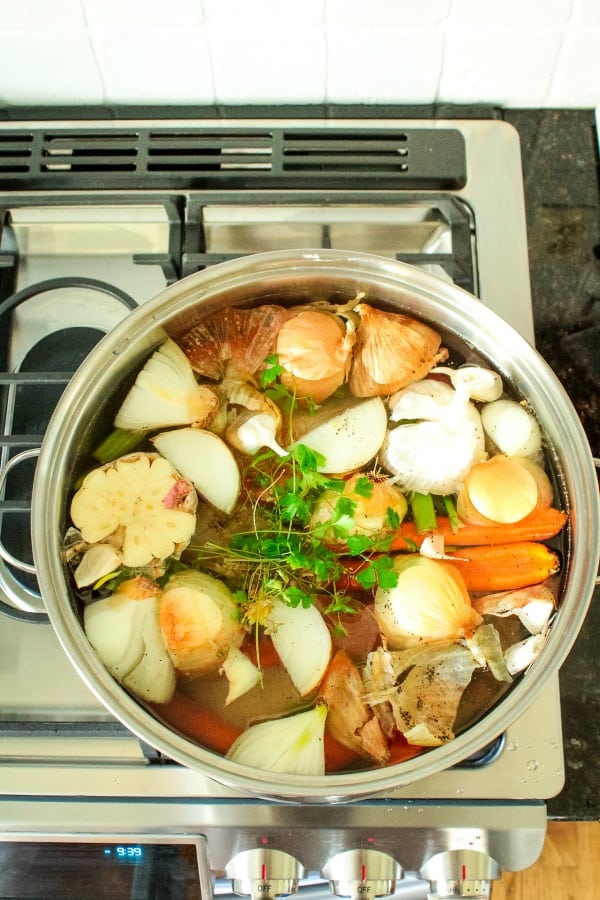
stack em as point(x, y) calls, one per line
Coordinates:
point(422, 294)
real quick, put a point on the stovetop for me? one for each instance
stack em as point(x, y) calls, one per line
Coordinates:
point(100, 216)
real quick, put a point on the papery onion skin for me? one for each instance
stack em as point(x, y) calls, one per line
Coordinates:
point(245, 336)
point(430, 602)
point(391, 351)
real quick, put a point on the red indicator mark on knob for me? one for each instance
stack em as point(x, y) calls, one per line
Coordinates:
point(263, 872)
point(463, 872)
point(363, 873)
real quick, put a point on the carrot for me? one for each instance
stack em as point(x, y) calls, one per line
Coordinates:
point(264, 656)
point(540, 525)
point(197, 722)
point(504, 567)
point(338, 758)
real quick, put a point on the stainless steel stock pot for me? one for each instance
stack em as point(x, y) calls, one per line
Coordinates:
point(87, 406)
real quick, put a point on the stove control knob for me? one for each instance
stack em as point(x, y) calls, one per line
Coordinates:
point(460, 873)
point(264, 872)
point(362, 874)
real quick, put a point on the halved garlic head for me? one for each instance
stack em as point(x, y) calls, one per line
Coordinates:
point(140, 504)
point(392, 351)
point(314, 348)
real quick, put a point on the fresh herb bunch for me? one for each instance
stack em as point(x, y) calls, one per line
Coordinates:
point(289, 559)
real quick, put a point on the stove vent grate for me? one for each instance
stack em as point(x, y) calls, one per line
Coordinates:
point(235, 157)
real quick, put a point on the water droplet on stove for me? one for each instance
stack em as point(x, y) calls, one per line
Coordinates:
point(460, 790)
point(532, 765)
point(512, 745)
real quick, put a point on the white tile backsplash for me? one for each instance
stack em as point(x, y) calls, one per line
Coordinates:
point(538, 53)
point(383, 65)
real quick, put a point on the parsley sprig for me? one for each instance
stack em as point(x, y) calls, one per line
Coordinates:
point(291, 558)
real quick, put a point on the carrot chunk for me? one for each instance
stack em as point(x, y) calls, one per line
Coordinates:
point(540, 525)
point(503, 567)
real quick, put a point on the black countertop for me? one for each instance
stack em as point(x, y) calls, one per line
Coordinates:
point(562, 197)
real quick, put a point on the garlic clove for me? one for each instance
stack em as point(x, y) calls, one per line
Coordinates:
point(520, 656)
point(252, 431)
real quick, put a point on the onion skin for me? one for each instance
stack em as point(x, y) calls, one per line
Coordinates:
point(391, 351)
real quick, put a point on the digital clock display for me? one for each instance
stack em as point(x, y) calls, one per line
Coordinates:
point(97, 869)
point(128, 853)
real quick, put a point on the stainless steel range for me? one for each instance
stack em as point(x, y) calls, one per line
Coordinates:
point(96, 218)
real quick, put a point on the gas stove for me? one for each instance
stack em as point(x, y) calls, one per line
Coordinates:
point(97, 217)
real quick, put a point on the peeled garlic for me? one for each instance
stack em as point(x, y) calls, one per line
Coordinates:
point(475, 381)
point(293, 745)
point(314, 348)
point(166, 393)
point(391, 351)
point(513, 430)
point(252, 431)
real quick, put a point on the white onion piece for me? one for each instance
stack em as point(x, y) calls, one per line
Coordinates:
point(513, 429)
point(303, 643)
point(350, 439)
point(123, 629)
point(166, 393)
point(293, 745)
point(205, 460)
point(430, 602)
point(241, 674)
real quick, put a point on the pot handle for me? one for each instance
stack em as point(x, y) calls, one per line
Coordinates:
point(597, 464)
point(17, 506)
